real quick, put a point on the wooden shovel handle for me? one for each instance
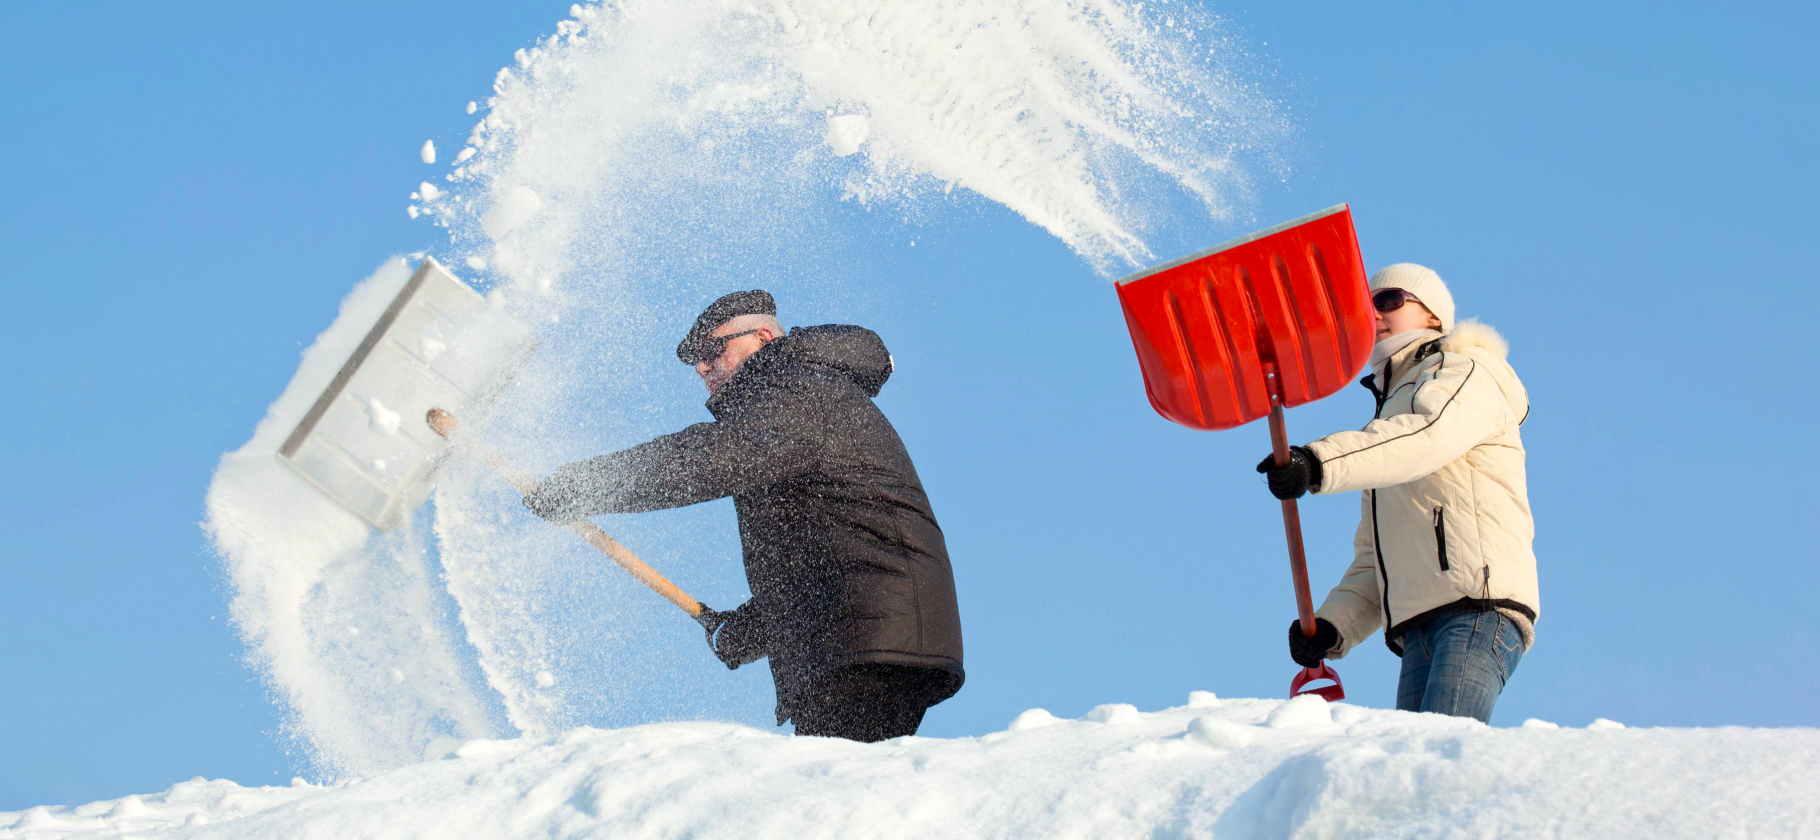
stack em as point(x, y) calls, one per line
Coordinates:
point(443, 423)
point(1298, 562)
point(1292, 518)
point(1292, 527)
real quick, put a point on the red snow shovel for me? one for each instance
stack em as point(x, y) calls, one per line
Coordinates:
point(1278, 318)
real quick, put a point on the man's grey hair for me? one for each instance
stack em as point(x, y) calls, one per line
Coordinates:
point(752, 322)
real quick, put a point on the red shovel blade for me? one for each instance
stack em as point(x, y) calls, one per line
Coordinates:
point(1331, 693)
point(1275, 319)
point(1206, 326)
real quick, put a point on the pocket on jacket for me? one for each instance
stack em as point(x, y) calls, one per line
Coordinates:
point(1440, 520)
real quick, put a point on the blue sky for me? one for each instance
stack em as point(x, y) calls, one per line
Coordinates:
point(1621, 189)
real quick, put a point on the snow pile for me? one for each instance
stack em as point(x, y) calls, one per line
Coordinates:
point(647, 157)
point(1242, 768)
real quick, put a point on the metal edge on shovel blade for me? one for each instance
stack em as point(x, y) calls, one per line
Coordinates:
point(1232, 243)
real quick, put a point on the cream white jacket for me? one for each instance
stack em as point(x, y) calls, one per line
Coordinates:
point(1445, 505)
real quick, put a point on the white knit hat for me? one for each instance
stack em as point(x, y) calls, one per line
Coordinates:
point(1422, 282)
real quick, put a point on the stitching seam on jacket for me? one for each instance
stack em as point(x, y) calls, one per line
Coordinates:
point(1436, 419)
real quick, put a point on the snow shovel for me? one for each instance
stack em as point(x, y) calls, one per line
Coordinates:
point(438, 343)
point(443, 423)
point(1279, 318)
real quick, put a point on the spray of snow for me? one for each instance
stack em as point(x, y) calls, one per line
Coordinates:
point(1183, 772)
point(428, 153)
point(305, 572)
point(627, 169)
point(1064, 111)
point(846, 133)
point(632, 163)
point(515, 206)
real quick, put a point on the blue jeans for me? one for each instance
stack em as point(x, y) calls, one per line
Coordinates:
point(1457, 663)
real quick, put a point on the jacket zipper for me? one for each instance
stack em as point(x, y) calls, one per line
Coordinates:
point(1441, 538)
point(1382, 395)
point(1377, 540)
point(1377, 547)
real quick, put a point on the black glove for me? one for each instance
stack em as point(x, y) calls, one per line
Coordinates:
point(731, 636)
point(710, 621)
point(1307, 652)
point(1300, 475)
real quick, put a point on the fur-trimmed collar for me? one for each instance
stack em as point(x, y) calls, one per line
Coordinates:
point(1471, 334)
point(1471, 338)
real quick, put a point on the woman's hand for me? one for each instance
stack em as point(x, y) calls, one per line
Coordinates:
point(1307, 652)
point(1291, 480)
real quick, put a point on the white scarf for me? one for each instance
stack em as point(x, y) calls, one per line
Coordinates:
point(1382, 351)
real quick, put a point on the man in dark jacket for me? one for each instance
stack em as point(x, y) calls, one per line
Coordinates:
point(852, 595)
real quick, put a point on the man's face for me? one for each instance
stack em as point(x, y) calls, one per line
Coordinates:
point(719, 370)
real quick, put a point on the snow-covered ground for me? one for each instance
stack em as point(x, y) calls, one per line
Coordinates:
point(1212, 768)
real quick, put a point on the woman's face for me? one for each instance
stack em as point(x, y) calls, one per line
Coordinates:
point(1410, 316)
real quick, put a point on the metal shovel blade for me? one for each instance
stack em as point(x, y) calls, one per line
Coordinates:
point(438, 343)
point(1207, 326)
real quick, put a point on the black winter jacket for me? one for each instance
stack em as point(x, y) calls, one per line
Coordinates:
point(843, 555)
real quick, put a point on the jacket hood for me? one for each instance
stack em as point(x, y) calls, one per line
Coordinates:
point(1486, 346)
point(855, 353)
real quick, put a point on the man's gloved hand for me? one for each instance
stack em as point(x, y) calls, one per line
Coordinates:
point(731, 637)
point(1307, 652)
point(710, 621)
point(1300, 475)
point(545, 504)
point(557, 498)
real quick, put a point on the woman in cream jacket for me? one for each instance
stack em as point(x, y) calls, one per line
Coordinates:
point(1443, 559)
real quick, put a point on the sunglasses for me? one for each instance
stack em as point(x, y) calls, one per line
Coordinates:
point(710, 347)
point(1391, 300)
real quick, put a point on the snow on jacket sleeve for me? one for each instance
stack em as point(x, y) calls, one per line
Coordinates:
point(1354, 607)
point(1456, 409)
point(702, 462)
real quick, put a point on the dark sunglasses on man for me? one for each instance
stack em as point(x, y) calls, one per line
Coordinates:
point(1391, 300)
point(710, 347)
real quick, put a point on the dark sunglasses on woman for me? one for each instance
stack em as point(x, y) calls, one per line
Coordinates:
point(1391, 300)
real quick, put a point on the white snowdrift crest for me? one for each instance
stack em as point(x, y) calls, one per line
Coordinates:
point(1244, 768)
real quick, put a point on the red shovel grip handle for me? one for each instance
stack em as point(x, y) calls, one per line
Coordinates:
point(1331, 693)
